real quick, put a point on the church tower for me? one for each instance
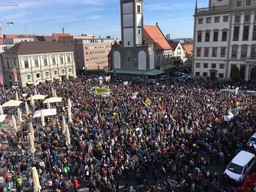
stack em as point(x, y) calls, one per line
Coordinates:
point(131, 22)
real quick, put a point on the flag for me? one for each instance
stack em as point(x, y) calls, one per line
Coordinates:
point(1, 78)
point(15, 78)
point(148, 101)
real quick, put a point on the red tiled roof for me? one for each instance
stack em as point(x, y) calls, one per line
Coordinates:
point(1, 41)
point(57, 35)
point(12, 36)
point(188, 48)
point(153, 35)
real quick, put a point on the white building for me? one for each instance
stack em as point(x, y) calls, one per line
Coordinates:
point(179, 51)
point(37, 62)
point(224, 37)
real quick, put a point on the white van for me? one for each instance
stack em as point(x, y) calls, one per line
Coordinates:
point(240, 166)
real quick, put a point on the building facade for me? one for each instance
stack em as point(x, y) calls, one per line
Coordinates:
point(224, 38)
point(92, 53)
point(144, 49)
point(35, 62)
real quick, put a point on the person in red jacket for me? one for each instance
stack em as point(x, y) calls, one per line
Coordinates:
point(75, 184)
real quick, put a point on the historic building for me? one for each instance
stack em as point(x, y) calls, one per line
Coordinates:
point(225, 39)
point(34, 62)
point(144, 49)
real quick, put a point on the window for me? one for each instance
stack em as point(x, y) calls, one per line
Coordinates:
point(61, 60)
point(247, 18)
point(207, 36)
point(28, 77)
point(221, 75)
point(198, 51)
point(45, 62)
point(36, 63)
point(199, 36)
point(198, 65)
point(138, 9)
point(47, 74)
point(222, 66)
point(197, 74)
point(236, 33)
point(200, 20)
point(53, 61)
point(254, 33)
point(217, 19)
point(215, 35)
point(128, 43)
point(70, 70)
point(243, 51)
point(55, 72)
point(214, 51)
point(225, 18)
point(223, 51)
point(205, 65)
point(224, 35)
point(68, 58)
point(26, 64)
point(237, 18)
point(238, 3)
point(246, 33)
point(205, 74)
point(213, 65)
point(38, 75)
point(248, 2)
point(14, 62)
point(234, 51)
point(253, 51)
point(208, 19)
point(206, 52)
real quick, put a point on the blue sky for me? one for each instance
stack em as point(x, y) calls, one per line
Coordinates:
point(96, 17)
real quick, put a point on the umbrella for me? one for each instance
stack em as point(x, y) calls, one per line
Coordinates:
point(48, 105)
point(26, 108)
point(31, 130)
point(38, 97)
point(14, 125)
point(69, 111)
point(35, 91)
point(67, 134)
point(64, 125)
point(46, 112)
point(31, 143)
point(32, 101)
point(36, 183)
point(42, 119)
point(1, 110)
point(17, 96)
point(19, 115)
point(12, 103)
point(53, 100)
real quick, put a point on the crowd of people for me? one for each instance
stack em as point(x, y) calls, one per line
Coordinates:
point(144, 137)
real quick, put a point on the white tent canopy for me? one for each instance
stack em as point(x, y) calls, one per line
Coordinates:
point(46, 112)
point(53, 100)
point(12, 103)
point(38, 97)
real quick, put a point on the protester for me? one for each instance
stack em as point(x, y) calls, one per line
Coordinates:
point(139, 134)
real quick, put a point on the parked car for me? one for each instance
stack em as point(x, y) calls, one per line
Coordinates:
point(252, 140)
point(240, 166)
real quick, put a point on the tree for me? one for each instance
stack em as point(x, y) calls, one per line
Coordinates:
point(235, 73)
point(177, 61)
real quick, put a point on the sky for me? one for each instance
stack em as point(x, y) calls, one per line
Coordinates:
point(94, 17)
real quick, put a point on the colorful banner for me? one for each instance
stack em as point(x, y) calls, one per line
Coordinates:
point(15, 77)
point(103, 91)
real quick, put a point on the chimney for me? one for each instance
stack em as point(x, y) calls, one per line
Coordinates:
point(156, 23)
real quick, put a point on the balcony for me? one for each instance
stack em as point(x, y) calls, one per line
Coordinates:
point(213, 9)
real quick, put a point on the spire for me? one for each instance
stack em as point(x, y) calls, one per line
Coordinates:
point(196, 5)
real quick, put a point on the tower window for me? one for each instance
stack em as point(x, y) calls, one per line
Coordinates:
point(139, 32)
point(128, 43)
point(138, 9)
